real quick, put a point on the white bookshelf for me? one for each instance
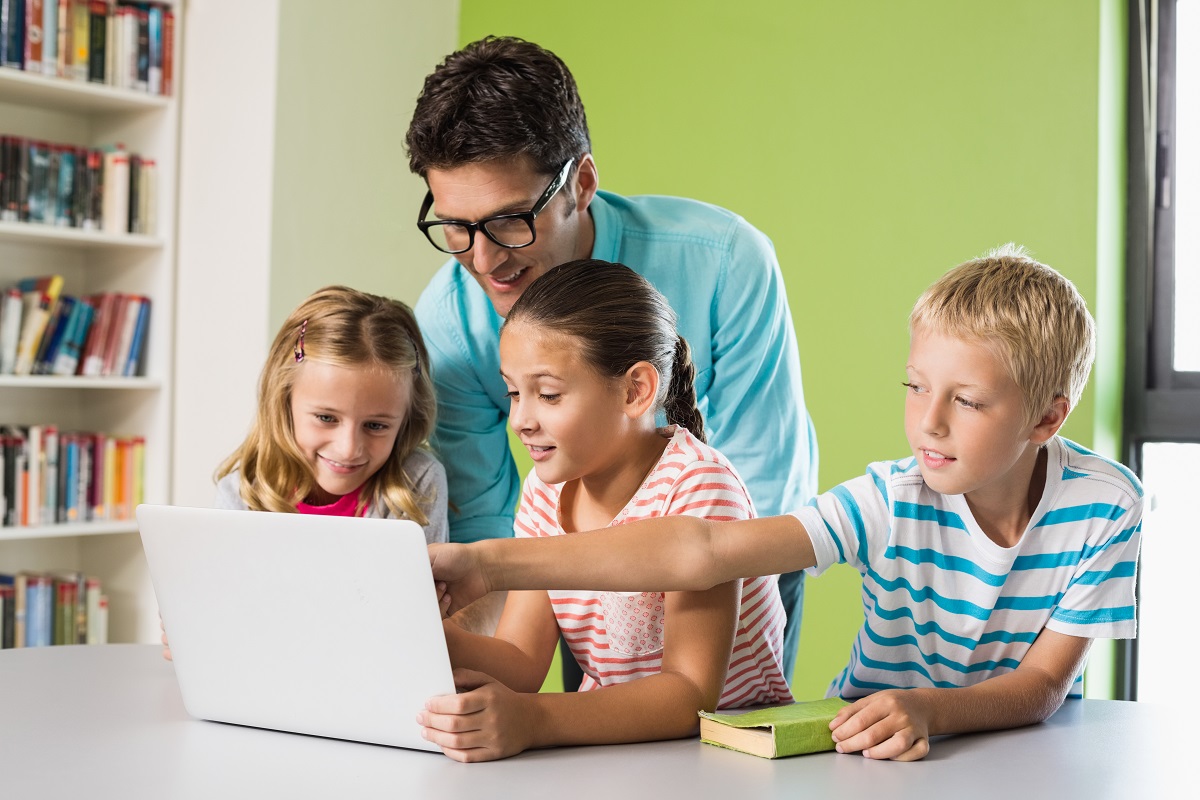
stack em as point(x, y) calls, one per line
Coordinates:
point(92, 115)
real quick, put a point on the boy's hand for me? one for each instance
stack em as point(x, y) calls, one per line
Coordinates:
point(459, 576)
point(892, 724)
point(484, 722)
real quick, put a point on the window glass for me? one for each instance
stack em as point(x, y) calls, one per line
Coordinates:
point(1187, 190)
point(1167, 574)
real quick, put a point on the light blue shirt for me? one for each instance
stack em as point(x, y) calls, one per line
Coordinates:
point(722, 278)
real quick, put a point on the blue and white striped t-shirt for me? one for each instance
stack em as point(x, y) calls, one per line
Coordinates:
point(944, 605)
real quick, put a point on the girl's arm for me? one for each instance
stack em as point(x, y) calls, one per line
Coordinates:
point(672, 553)
point(490, 721)
point(897, 723)
point(520, 653)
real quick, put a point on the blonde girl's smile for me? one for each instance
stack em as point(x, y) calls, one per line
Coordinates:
point(346, 420)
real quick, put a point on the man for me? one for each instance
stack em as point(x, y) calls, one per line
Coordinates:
point(500, 137)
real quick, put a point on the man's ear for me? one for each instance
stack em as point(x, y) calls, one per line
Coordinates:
point(640, 384)
point(1051, 421)
point(587, 181)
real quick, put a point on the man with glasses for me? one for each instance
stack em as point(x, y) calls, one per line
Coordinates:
point(500, 136)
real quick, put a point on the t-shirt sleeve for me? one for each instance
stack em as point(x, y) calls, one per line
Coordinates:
point(471, 437)
point(756, 376)
point(228, 494)
point(846, 520)
point(430, 486)
point(1100, 600)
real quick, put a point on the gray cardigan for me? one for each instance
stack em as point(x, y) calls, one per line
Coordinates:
point(429, 480)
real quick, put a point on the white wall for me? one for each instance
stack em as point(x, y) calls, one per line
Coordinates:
point(293, 176)
point(225, 183)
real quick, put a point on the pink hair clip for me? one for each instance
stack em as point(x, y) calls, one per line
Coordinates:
point(299, 349)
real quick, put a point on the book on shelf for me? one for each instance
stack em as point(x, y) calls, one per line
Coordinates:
point(50, 183)
point(774, 731)
point(39, 609)
point(123, 44)
point(50, 476)
point(45, 332)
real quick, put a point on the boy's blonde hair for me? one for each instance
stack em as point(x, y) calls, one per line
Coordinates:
point(1029, 314)
point(346, 328)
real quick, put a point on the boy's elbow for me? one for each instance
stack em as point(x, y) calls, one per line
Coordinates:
point(698, 568)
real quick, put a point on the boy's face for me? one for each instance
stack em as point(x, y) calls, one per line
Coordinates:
point(966, 422)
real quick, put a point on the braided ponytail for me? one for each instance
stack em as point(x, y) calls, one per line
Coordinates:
point(680, 404)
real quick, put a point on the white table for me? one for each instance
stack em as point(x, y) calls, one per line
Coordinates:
point(107, 721)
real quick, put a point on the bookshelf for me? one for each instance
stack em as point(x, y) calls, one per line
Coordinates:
point(95, 115)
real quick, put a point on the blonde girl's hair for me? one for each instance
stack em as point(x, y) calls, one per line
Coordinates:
point(347, 328)
point(618, 319)
point(1032, 317)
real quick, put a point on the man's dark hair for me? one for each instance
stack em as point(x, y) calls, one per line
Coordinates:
point(499, 97)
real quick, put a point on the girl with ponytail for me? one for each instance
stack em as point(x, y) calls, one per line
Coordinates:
point(591, 356)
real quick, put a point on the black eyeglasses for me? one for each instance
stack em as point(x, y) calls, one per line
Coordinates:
point(454, 236)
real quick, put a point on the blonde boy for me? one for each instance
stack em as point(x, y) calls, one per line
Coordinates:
point(991, 557)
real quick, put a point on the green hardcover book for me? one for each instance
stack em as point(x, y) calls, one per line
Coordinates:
point(774, 732)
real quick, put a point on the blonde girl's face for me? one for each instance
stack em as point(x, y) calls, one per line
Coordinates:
point(346, 420)
point(568, 417)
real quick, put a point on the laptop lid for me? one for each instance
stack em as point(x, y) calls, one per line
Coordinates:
point(311, 624)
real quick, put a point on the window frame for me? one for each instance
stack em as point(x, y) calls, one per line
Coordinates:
point(1161, 404)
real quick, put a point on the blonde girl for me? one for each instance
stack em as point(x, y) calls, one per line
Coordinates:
point(345, 407)
point(590, 354)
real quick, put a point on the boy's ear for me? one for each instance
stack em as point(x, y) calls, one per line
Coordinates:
point(1051, 421)
point(641, 388)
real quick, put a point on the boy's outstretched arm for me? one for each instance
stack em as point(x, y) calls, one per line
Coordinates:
point(675, 553)
point(897, 723)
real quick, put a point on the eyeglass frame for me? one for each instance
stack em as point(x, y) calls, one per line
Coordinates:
point(528, 217)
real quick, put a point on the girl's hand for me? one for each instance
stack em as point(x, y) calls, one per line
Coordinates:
point(166, 646)
point(892, 724)
point(484, 722)
point(458, 574)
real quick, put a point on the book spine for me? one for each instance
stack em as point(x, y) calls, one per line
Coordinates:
point(81, 24)
point(94, 195)
point(139, 471)
point(20, 610)
point(32, 501)
point(33, 324)
point(124, 342)
point(97, 40)
point(93, 634)
point(65, 45)
point(65, 187)
point(116, 192)
point(156, 49)
point(34, 36)
point(11, 312)
point(50, 37)
point(137, 346)
point(50, 474)
point(168, 61)
point(8, 603)
point(135, 193)
point(39, 611)
point(12, 44)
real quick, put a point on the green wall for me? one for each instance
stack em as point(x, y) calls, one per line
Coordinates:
point(878, 144)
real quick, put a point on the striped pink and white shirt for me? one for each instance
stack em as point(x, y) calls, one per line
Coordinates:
point(617, 636)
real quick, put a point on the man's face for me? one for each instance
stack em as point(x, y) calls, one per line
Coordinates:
point(564, 229)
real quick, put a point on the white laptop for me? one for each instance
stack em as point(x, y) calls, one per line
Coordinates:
point(310, 624)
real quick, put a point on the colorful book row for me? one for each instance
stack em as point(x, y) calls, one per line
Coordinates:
point(105, 189)
point(50, 477)
point(126, 45)
point(40, 609)
point(44, 332)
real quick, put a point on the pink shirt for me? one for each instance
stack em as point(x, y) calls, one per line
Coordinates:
point(344, 506)
point(616, 636)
